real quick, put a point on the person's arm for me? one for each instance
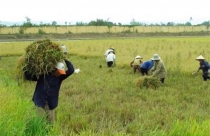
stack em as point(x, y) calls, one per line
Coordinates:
point(131, 63)
point(157, 69)
point(200, 67)
point(198, 70)
point(69, 71)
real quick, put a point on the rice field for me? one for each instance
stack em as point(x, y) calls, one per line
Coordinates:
point(100, 101)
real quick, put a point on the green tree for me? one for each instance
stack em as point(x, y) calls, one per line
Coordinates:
point(80, 24)
point(188, 24)
point(54, 23)
point(2, 25)
point(101, 22)
point(170, 24)
point(27, 23)
point(206, 23)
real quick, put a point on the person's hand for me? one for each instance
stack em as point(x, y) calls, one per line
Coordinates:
point(193, 73)
point(77, 70)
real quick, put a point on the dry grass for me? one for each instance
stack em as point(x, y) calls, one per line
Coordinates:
point(40, 58)
point(98, 102)
point(148, 82)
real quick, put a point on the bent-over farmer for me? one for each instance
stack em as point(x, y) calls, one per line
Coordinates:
point(146, 66)
point(204, 66)
point(136, 63)
point(158, 70)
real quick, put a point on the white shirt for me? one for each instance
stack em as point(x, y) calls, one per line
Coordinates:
point(110, 57)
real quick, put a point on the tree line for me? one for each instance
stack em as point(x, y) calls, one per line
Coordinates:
point(101, 22)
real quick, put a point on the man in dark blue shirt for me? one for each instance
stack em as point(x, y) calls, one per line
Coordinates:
point(146, 66)
point(47, 88)
point(204, 66)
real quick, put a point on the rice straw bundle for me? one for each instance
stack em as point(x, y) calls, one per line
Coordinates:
point(40, 58)
point(148, 82)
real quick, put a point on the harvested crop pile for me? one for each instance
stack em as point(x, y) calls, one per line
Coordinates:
point(40, 58)
point(148, 82)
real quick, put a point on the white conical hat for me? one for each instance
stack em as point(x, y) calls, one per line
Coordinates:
point(200, 58)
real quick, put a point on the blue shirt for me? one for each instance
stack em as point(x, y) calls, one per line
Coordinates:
point(147, 64)
point(48, 86)
point(204, 66)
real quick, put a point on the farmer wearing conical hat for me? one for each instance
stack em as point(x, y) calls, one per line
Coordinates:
point(204, 66)
point(158, 70)
point(136, 63)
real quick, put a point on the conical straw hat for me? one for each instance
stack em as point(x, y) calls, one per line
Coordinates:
point(200, 58)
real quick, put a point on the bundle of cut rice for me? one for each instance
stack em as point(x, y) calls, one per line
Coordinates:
point(148, 82)
point(40, 58)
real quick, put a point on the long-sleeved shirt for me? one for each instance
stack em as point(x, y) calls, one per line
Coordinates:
point(48, 86)
point(159, 69)
point(204, 66)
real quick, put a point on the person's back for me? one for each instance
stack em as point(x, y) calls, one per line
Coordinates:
point(109, 50)
point(136, 61)
point(147, 64)
point(110, 59)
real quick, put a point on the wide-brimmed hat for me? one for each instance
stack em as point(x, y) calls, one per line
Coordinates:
point(138, 57)
point(200, 58)
point(155, 57)
point(61, 68)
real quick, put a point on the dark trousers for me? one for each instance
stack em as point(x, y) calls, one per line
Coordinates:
point(136, 67)
point(144, 71)
point(162, 80)
point(205, 76)
point(110, 63)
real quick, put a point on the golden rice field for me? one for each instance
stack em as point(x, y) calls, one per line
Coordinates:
point(175, 52)
point(100, 102)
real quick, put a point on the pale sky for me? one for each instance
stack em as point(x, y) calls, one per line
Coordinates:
point(116, 11)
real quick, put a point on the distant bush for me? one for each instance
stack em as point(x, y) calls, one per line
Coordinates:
point(40, 31)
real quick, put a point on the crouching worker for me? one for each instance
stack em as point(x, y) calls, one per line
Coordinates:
point(136, 63)
point(46, 93)
point(110, 59)
point(204, 66)
point(158, 70)
point(146, 66)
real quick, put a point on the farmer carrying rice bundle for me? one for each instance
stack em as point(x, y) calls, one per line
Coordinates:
point(40, 58)
point(43, 62)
